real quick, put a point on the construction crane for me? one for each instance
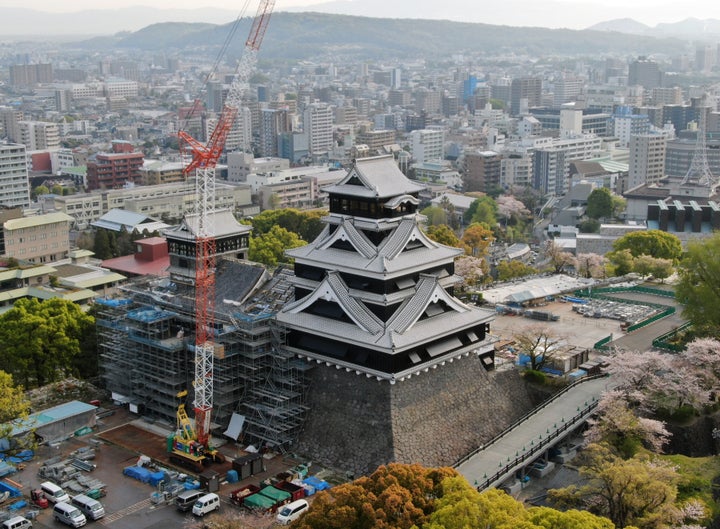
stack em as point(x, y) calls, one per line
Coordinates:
point(205, 157)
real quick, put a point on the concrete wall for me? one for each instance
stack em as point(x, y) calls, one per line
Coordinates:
point(357, 423)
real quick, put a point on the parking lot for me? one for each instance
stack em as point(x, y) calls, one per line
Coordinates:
point(128, 503)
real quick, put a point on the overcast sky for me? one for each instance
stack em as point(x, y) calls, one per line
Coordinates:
point(575, 14)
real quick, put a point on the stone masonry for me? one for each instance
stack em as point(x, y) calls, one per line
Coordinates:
point(356, 423)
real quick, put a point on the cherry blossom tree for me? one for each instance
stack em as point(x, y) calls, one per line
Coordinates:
point(618, 425)
point(590, 265)
point(508, 206)
point(558, 257)
point(470, 269)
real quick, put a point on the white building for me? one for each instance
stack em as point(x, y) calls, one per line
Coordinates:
point(647, 159)
point(39, 135)
point(241, 164)
point(427, 145)
point(318, 125)
point(120, 88)
point(14, 183)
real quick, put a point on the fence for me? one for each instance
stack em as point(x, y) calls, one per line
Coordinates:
point(661, 342)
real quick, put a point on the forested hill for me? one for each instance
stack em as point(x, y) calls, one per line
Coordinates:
point(306, 35)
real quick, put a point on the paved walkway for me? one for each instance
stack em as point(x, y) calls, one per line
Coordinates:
point(526, 441)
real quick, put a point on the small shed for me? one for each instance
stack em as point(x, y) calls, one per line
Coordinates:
point(59, 422)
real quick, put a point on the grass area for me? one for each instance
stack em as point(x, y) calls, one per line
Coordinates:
point(697, 475)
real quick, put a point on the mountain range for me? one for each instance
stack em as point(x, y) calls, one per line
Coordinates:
point(27, 22)
point(296, 36)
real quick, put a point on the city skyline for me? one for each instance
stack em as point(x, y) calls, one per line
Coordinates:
point(573, 14)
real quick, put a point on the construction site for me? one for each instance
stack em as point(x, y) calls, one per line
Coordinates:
point(146, 343)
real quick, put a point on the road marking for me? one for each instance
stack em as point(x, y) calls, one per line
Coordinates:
point(110, 518)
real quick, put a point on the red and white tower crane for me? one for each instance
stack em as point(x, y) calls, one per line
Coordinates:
point(204, 160)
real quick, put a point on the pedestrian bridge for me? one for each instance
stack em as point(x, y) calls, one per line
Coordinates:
point(531, 437)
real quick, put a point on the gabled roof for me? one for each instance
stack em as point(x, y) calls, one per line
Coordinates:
point(407, 328)
point(376, 177)
point(388, 258)
point(120, 219)
point(224, 223)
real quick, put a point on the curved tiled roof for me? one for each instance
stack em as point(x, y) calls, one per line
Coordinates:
point(358, 240)
point(334, 288)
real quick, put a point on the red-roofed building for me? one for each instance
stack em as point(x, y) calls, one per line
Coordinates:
point(150, 258)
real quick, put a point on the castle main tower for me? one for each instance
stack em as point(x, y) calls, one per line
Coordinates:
point(399, 359)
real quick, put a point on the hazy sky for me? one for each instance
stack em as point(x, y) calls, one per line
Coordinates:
point(577, 13)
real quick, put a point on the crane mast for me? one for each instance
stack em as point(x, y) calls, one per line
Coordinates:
point(204, 160)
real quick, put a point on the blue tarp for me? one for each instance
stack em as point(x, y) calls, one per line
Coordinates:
point(14, 493)
point(138, 473)
point(5, 469)
point(317, 483)
point(155, 478)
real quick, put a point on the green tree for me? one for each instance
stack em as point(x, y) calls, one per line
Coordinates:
point(639, 491)
point(655, 243)
point(13, 403)
point(477, 238)
point(482, 210)
point(435, 215)
point(512, 268)
point(40, 190)
point(444, 235)
point(57, 189)
point(622, 262)
point(618, 205)
point(699, 286)
point(599, 203)
point(269, 248)
point(589, 226)
point(42, 340)
point(306, 224)
point(101, 245)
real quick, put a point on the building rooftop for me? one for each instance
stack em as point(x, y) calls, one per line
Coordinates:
point(37, 220)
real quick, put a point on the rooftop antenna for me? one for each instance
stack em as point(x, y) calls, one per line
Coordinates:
point(699, 171)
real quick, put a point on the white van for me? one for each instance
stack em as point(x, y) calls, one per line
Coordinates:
point(68, 514)
point(53, 493)
point(205, 504)
point(292, 511)
point(91, 508)
point(17, 522)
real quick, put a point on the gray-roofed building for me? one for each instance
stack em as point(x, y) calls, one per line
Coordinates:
point(374, 300)
point(121, 220)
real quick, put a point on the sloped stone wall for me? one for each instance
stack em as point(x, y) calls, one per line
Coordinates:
point(357, 423)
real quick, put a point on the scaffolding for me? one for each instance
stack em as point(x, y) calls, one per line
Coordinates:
point(146, 342)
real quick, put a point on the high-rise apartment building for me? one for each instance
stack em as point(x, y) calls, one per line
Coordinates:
point(482, 171)
point(627, 124)
point(647, 159)
point(9, 119)
point(525, 92)
point(39, 135)
point(318, 125)
point(14, 183)
point(427, 145)
point(273, 122)
point(30, 74)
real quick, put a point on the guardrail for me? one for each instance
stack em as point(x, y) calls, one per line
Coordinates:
point(543, 442)
point(525, 417)
point(601, 344)
point(661, 341)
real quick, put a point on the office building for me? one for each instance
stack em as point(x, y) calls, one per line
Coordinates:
point(114, 170)
point(273, 122)
point(644, 72)
point(525, 93)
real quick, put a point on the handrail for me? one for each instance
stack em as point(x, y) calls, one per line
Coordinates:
point(525, 417)
point(536, 448)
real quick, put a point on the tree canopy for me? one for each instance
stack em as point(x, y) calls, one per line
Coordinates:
point(444, 235)
point(599, 203)
point(269, 248)
point(655, 243)
point(42, 341)
point(305, 224)
point(484, 210)
point(477, 238)
point(539, 344)
point(699, 285)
